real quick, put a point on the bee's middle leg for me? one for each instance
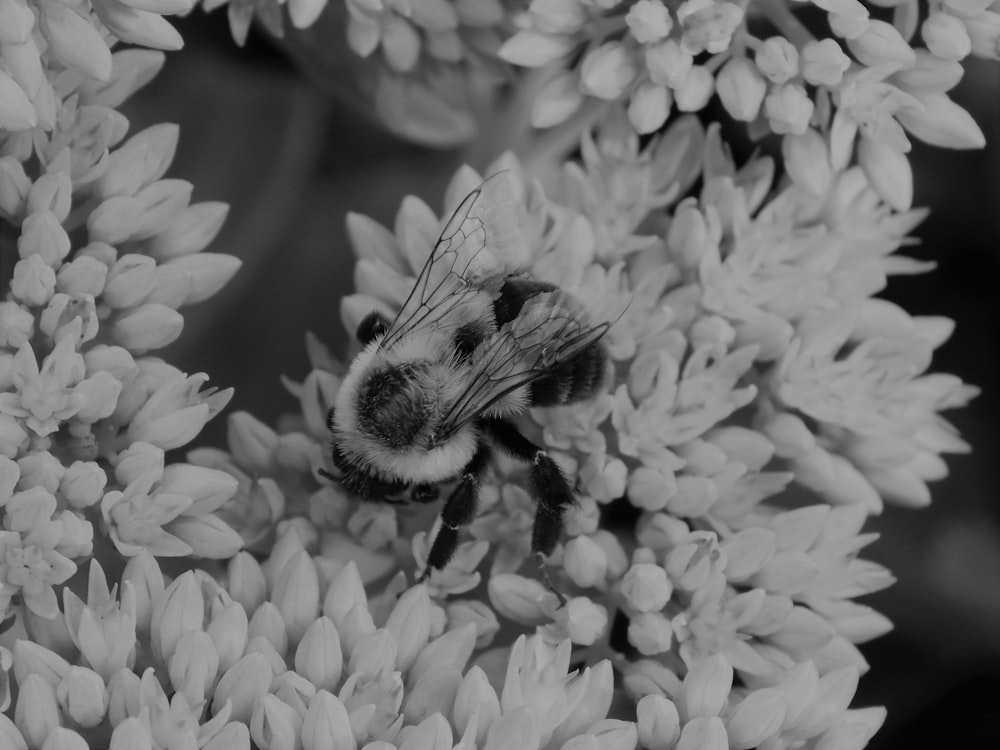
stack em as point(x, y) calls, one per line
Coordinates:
point(552, 491)
point(459, 510)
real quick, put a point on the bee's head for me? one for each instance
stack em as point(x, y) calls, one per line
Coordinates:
point(398, 405)
point(389, 417)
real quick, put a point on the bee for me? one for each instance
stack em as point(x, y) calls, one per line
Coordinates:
point(430, 397)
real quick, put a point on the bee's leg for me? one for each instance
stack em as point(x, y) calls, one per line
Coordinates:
point(459, 510)
point(371, 327)
point(551, 487)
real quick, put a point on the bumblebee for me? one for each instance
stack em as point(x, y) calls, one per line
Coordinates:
point(430, 397)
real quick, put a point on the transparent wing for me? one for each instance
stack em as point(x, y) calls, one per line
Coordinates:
point(467, 262)
point(549, 331)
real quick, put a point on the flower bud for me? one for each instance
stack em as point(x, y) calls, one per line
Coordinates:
point(194, 666)
point(807, 161)
point(517, 598)
point(584, 562)
point(149, 326)
point(326, 724)
point(788, 109)
point(607, 71)
point(476, 697)
point(946, 36)
point(16, 110)
point(82, 696)
point(586, 621)
point(14, 183)
point(695, 89)
point(433, 733)
point(131, 734)
point(124, 689)
point(43, 235)
point(941, 122)
point(74, 42)
point(33, 282)
point(229, 631)
point(30, 658)
point(209, 272)
point(741, 89)
point(881, 43)
point(478, 614)
point(296, 594)
point(267, 623)
point(275, 725)
point(649, 107)
point(373, 654)
point(824, 62)
point(756, 718)
point(984, 34)
point(115, 220)
point(247, 584)
point(409, 624)
point(657, 722)
point(37, 712)
point(707, 685)
point(649, 21)
point(650, 632)
point(17, 325)
point(703, 733)
point(190, 231)
point(318, 657)
point(888, 171)
point(850, 24)
point(450, 650)
point(778, 59)
point(532, 49)
point(129, 281)
point(61, 738)
point(234, 736)
point(646, 587)
point(207, 535)
point(181, 608)
point(242, 684)
point(667, 63)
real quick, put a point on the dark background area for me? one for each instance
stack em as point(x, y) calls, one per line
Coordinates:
point(291, 162)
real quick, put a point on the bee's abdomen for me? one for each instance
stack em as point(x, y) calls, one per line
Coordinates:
point(514, 293)
point(577, 379)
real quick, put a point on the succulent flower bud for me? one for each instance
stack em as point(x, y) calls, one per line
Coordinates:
point(807, 161)
point(649, 107)
point(607, 70)
point(318, 656)
point(695, 89)
point(650, 632)
point(242, 684)
point(946, 36)
point(824, 62)
point(131, 734)
point(741, 89)
point(788, 109)
point(658, 722)
point(707, 685)
point(649, 21)
point(881, 43)
point(275, 725)
point(703, 733)
point(667, 63)
point(326, 724)
point(36, 713)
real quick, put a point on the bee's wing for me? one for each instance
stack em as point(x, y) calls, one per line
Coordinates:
point(467, 261)
point(522, 351)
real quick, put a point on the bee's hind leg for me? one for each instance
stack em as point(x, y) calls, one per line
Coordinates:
point(552, 491)
point(459, 510)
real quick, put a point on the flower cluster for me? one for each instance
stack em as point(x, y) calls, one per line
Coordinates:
point(865, 83)
point(754, 370)
point(106, 252)
point(289, 652)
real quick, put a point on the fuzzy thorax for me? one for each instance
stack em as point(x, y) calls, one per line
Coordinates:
point(390, 406)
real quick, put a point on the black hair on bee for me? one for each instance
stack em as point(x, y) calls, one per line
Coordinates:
point(430, 396)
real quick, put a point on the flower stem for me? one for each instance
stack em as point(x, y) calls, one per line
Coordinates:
point(777, 12)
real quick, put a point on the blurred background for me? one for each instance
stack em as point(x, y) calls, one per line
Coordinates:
point(291, 161)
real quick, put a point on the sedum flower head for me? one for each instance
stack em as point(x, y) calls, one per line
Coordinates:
point(107, 250)
point(383, 671)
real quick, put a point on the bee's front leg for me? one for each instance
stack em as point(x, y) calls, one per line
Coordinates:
point(459, 510)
